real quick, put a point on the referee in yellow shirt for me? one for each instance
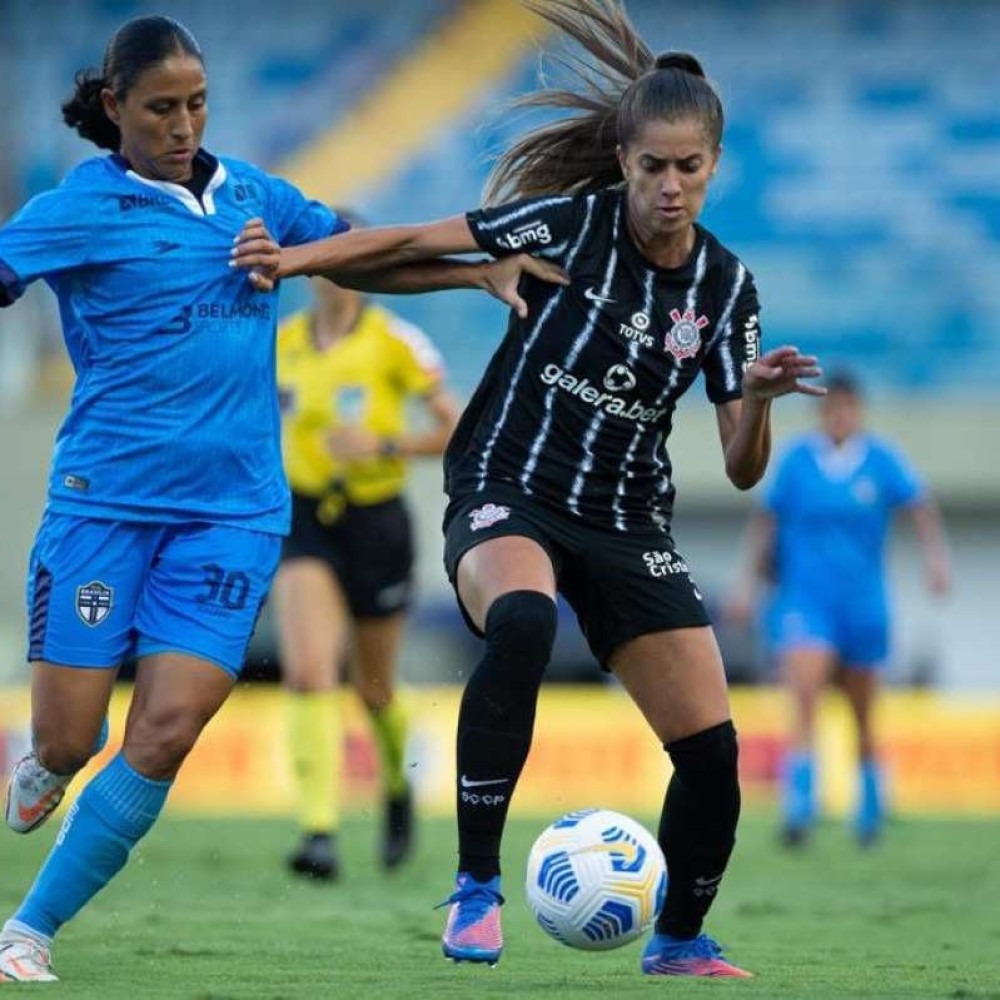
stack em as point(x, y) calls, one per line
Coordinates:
point(346, 369)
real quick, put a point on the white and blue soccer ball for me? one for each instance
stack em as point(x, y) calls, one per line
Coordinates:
point(596, 879)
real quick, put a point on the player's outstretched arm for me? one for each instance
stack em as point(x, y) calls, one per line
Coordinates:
point(745, 424)
point(378, 248)
point(500, 278)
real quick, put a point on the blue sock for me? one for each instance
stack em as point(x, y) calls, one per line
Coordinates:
point(870, 806)
point(113, 812)
point(799, 789)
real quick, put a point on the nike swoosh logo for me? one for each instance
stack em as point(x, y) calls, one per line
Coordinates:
point(594, 297)
point(41, 807)
point(466, 783)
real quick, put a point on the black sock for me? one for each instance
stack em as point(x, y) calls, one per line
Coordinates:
point(698, 826)
point(495, 723)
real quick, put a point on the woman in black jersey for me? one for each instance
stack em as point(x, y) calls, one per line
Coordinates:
point(558, 477)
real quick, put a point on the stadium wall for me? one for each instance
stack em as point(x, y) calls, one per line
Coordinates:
point(591, 748)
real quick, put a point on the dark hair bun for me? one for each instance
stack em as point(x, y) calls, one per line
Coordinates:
point(680, 60)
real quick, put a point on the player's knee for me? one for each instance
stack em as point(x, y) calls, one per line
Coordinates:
point(375, 695)
point(63, 753)
point(157, 743)
point(521, 628)
point(710, 755)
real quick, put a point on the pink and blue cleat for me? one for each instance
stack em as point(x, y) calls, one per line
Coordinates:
point(700, 956)
point(472, 933)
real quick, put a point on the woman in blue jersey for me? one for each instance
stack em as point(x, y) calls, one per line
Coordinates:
point(820, 538)
point(167, 500)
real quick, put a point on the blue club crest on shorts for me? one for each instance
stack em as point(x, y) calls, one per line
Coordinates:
point(93, 602)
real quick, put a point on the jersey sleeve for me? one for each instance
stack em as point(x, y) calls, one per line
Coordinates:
point(735, 344)
point(53, 233)
point(297, 219)
point(419, 367)
point(540, 226)
point(904, 485)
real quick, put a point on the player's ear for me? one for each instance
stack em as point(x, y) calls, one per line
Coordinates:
point(622, 160)
point(110, 103)
point(716, 156)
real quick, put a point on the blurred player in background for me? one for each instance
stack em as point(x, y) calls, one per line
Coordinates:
point(819, 538)
point(167, 499)
point(346, 370)
point(558, 475)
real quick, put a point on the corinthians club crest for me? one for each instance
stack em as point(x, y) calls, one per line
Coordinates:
point(93, 602)
point(684, 337)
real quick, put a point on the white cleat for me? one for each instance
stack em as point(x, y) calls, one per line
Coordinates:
point(33, 794)
point(25, 960)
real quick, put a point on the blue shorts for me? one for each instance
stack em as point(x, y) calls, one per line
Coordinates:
point(100, 592)
point(858, 632)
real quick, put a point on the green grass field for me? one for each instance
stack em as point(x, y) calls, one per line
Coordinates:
point(205, 910)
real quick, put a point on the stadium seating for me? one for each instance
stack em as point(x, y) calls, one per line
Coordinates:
point(860, 177)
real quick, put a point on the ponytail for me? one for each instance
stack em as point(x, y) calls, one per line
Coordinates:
point(614, 97)
point(84, 111)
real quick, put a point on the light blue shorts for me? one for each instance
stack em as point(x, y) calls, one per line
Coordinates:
point(100, 592)
point(858, 632)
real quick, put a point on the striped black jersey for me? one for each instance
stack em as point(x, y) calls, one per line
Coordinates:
point(576, 404)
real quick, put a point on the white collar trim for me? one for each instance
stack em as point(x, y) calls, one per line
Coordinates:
point(183, 195)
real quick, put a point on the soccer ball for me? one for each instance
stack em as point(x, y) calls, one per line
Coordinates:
point(596, 879)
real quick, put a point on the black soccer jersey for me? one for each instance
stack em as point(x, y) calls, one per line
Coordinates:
point(577, 402)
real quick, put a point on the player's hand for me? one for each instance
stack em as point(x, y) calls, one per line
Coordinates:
point(780, 372)
point(352, 444)
point(256, 252)
point(501, 277)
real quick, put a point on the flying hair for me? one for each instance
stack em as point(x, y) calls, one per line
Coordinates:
point(609, 97)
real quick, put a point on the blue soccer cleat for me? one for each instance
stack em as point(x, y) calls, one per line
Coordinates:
point(472, 933)
point(700, 956)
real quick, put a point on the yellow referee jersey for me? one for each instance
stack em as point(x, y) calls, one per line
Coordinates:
point(362, 379)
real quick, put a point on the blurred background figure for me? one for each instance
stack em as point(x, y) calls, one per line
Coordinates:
point(819, 540)
point(346, 371)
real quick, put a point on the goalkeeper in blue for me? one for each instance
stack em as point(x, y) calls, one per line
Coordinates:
point(166, 500)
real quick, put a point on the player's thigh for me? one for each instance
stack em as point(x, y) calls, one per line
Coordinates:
point(174, 697)
point(496, 543)
point(677, 680)
point(807, 666)
point(375, 653)
point(312, 621)
point(204, 593)
point(501, 566)
point(68, 708)
point(860, 686)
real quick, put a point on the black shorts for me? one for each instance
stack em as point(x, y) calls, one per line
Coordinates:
point(620, 584)
point(370, 549)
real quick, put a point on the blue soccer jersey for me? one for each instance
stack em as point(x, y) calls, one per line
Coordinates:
point(833, 507)
point(174, 415)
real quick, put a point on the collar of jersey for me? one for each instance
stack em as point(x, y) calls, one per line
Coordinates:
point(840, 461)
point(204, 206)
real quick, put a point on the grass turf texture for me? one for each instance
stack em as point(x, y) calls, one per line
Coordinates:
point(205, 909)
